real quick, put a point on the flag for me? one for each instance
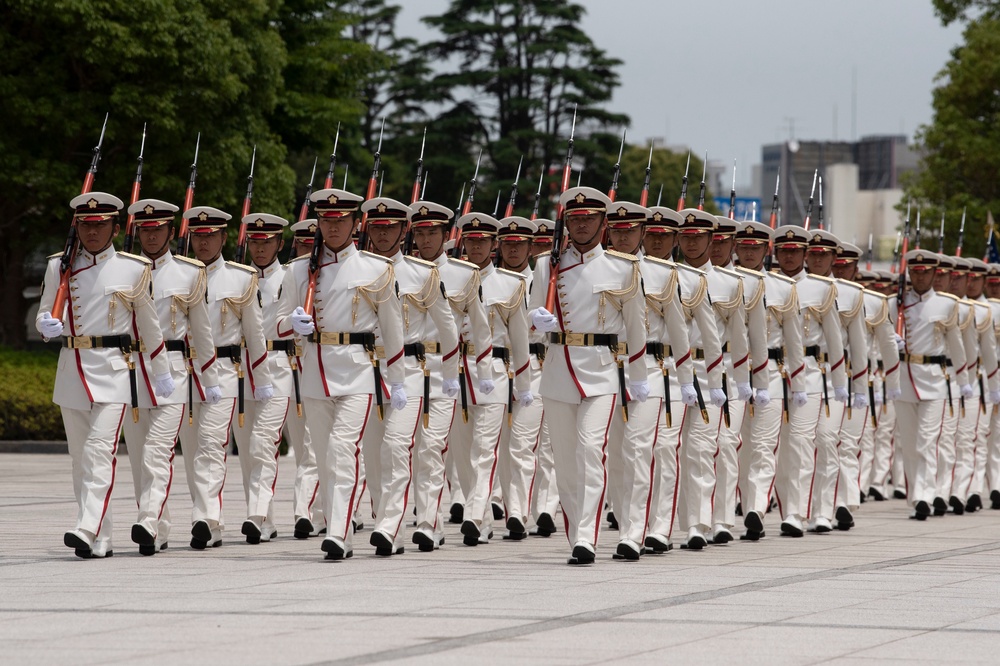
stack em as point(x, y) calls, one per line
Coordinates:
point(992, 255)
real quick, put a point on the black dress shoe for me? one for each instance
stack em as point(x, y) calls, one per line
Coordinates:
point(457, 514)
point(752, 536)
point(497, 511)
point(722, 538)
point(696, 543)
point(515, 536)
point(303, 528)
point(921, 510)
point(201, 534)
point(514, 524)
point(739, 508)
point(251, 532)
point(957, 505)
point(383, 544)
point(898, 494)
point(974, 504)
point(333, 550)
point(71, 540)
point(876, 495)
point(142, 536)
point(546, 526)
point(940, 506)
point(581, 555)
point(612, 521)
point(755, 527)
point(626, 552)
point(845, 520)
point(995, 499)
point(656, 546)
point(470, 533)
point(424, 541)
point(88, 554)
point(147, 549)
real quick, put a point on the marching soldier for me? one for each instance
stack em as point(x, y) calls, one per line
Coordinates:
point(108, 300)
point(389, 443)
point(598, 306)
point(179, 287)
point(234, 309)
point(992, 480)
point(783, 328)
point(354, 292)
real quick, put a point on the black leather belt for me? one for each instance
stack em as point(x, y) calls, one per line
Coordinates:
point(816, 353)
point(502, 353)
point(584, 339)
point(698, 354)
point(880, 366)
point(287, 346)
point(122, 342)
point(233, 352)
point(776, 355)
point(329, 338)
point(538, 349)
point(923, 359)
point(176, 346)
point(658, 349)
point(414, 349)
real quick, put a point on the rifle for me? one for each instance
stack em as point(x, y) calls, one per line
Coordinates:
point(538, 195)
point(916, 240)
point(456, 234)
point(418, 182)
point(659, 197)
point(304, 210)
point(684, 184)
point(69, 251)
point(184, 241)
point(370, 193)
point(644, 195)
point(423, 190)
point(328, 184)
point(496, 204)
point(559, 229)
point(961, 235)
point(732, 197)
point(701, 192)
point(821, 225)
point(513, 190)
point(613, 190)
point(347, 169)
point(769, 259)
point(902, 272)
point(941, 232)
point(241, 239)
point(895, 253)
point(868, 264)
point(809, 206)
point(136, 185)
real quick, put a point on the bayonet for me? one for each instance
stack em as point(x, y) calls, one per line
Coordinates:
point(333, 161)
point(684, 184)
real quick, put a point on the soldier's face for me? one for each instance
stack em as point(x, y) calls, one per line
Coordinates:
point(337, 231)
point(959, 281)
point(538, 247)
point(820, 262)
point(208, 247)
point(479, 250)
point(386, 238)
point(300, 247)
point(585, 230)
point(96, 235)
point(790, 259)
point(993, 288)
point(626, 240)
point(429, 242)
point(658, 245)
point(722, 250)
point(514, 254)
point(974, 288)
point(942, 279)
point(264, 252)
point(155, 240)
point(751, 256)
point(846, 271)
point(921, 280)
point(695, 247)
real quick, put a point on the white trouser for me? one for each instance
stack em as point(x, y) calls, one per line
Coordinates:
point(92, 436)
point(759, 448)
point(428, 463)
point(946, 450)
point(919, 426)
point(579, 436)
point(848, 491)
point(259, 442)
point(966, 443)
point(451, 461)
point(336, 426)
point(544, 493)
point(727, 465)
point(882, 449)
point(151, 453)
point(977, 486)
point(203, 445)
point(474, 448)
point(696, 471)
point(827, 468)
point(388, 447)
point(796, 458)
point(666, 456)
point(517, 458)
point(306, 502)
point(636, 453)
point(993, 452)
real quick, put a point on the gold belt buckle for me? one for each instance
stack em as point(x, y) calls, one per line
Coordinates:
point(141, 346)
point(470, 349)
point(82, 342)
point(379, 351)
point(622, 348)
point(432, 347)
point(270, 345)
point(574, 339)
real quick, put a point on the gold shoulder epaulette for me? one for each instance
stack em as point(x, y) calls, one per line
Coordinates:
point(749, 271)
point(622, 255)
point(513, 274)
point(54, 256)
point(136, 257)
point(994, 300)
point(242, 267)
point(463, 264)
point(691, 269)
point(947, 295)
point(375, 256)
point(189, 260)
point(780, 276)
point(823, 278)
point(726, 271)
point(418, 261)
point(298, 258)
point(656, 260)
point(869, 292)
point(544, 254)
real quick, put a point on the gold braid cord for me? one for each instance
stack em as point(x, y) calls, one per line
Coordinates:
point(878, 318)
point(727, 307)
point(460, 302)
point(779, 310)
point(428, 294)
point(237, 304)
point(658, 301)
point(969, 317)
point(987, 319)
point(139, 295)
point(381, 285)
point(618, 296)
point(697, 298)
point(752, 303)
point(818, 311)
point(853, 312)
point(197, 293)
point(950, 322)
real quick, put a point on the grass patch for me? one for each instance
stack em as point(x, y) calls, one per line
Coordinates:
point(26, 407)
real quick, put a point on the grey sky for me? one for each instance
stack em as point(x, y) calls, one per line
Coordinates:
point(727, 75)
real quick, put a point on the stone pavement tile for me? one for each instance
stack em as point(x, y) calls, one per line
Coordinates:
point(941, 647)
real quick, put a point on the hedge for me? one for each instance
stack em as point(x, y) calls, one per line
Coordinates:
point(26, 408)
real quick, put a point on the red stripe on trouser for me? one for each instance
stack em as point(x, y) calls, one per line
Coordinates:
point(114, 465)
point(604, 469)
point(437, 509)
point(677, 467)
point(173, 453)
point(357, 466)
point(225, 458)
point(406, 491)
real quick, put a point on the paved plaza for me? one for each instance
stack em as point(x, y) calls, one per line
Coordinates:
point(892, 590)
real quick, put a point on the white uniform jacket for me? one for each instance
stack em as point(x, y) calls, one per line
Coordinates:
point(703, 333)
point(464, 293)
point(665, 321)
point(931, 332)
point(882, 346)
point(851, 306)
point(725, 288)
point(821, 330)
point(784, 326)
point(269, 281)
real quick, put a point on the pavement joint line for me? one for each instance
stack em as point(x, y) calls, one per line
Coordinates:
point(606, 614)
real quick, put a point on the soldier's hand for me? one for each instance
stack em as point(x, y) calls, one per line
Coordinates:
point(302, 323)
point(688, 395)
point(163, 385)
point(213, 394)
point(263, 393)
point(860, 401)
point(995, 397)
point(48, 326)
point(877, 398)
point(450, 387)
point(744, 392)
point(525, 398)
point(397, 396)
point(799, 398)
point(840, 393)
point(966, 390)
point(486, 386)
point(762, 397)
point(639, 390)
point(900, 342)
point(893, 394)
point(543, 320)
point(717, 396)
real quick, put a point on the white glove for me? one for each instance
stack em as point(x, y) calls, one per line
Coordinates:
point(966, 390)
point(397, 396)
point(900, 342)
point(994, 397)
point(525, 398)
point(543, 320)
point(860, 401)
point(49, 327)
point(717, 396)
point(893, 394)
point(213, 394)
point(743, 392)
point(302, 323)
point(163, 385)
point(486, 386)
point(799, 398)
point(762, 397)
point(688, 395)
point(840, 393)
point(639, 390)
point(263, 393)
point(878, 398)
point(450, 387)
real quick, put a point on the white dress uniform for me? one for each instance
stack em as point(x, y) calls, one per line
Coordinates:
point(354, 294)
point(234, 310)
point(950, 435)
point(992, 480)
point(179, 287)
point(259, 436)
point(931, 337)
point(389, 443)
point(108, 299)
point(598, 306)
point(885, 464)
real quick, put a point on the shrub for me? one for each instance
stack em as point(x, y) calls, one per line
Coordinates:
point(26, 407)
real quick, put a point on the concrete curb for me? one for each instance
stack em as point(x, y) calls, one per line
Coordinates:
point(36, 446)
